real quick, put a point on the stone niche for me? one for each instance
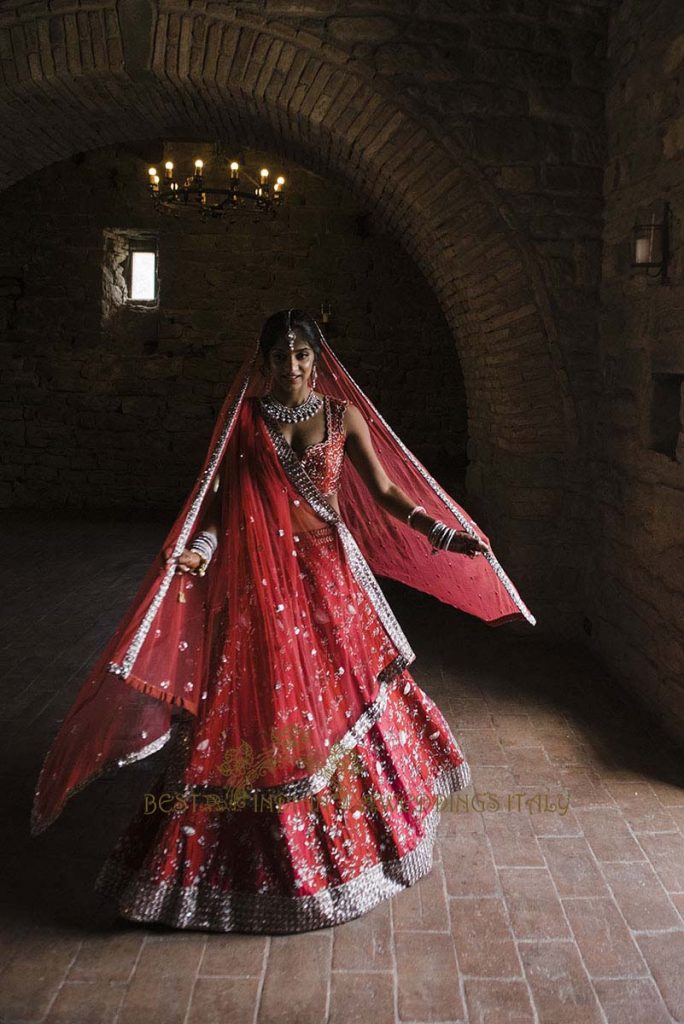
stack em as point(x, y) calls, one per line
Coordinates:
point(118, 246)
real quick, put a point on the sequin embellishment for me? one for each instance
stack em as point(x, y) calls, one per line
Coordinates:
point(323, 461)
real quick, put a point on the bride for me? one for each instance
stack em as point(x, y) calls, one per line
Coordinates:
point(307, 765)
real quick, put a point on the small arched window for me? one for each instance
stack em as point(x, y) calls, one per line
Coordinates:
point(142, 271)
point(130, 271)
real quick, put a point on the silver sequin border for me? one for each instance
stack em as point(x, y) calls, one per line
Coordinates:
point(37, 827)
point(201, 906)
point(465, 523)
point(125, 666)
point(309, 785)
point(301, 480)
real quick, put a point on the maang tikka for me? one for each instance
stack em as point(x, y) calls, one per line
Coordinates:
point(291, 336)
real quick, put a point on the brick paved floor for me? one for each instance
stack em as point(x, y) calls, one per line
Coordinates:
point(527, 916)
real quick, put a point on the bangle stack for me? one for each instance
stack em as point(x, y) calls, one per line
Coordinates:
point(203, 544)
point(440, 536)
point(416, 508)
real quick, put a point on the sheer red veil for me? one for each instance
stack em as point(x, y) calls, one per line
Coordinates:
point(164, 654)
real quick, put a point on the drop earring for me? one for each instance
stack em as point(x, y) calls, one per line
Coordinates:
point(314, 377)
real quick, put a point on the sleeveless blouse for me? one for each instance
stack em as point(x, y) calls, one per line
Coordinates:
point(323, 461)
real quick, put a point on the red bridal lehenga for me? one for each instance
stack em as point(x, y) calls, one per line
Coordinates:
point(306, 766)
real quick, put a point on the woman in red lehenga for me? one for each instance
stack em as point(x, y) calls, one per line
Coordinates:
point(307, 766)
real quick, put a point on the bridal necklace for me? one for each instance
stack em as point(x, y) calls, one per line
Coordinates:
point(291, 413)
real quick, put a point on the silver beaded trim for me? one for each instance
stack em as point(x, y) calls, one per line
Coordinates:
point(151, 748)
point(125, 666)
point(138, 755)
point(201, 905)
point(298, 476)
point(311, 784)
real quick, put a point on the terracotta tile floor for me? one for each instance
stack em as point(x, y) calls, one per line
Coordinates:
point(557, 892)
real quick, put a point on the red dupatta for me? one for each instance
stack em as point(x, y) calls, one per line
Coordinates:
point(163, 655)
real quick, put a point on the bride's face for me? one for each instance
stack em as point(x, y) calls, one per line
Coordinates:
point(291, 367)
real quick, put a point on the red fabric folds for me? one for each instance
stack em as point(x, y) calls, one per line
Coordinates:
point(477, 586)
point(244, 632)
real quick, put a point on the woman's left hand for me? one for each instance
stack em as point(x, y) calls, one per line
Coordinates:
point(464, 544)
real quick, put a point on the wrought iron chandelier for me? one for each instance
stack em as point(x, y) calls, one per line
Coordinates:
point(195, 194)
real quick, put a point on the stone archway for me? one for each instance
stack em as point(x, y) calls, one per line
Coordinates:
point(77, 79)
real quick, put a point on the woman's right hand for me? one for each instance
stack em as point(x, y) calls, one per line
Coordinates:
point(187, 561)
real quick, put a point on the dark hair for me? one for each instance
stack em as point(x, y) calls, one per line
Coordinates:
point(278, 324)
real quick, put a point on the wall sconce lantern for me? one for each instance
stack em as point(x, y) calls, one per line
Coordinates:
point(326, 320)
point(651, 245)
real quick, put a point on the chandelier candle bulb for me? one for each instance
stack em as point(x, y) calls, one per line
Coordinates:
point(234, 168)
point(199, 164)
point(169, 169)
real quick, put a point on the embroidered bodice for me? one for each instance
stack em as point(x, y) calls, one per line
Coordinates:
point(323, 461)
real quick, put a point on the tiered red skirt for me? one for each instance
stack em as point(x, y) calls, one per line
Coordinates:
point(276, 860)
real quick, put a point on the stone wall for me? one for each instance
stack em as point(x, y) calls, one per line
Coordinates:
point(473, 130)
point(110, 407)
point(636, 586)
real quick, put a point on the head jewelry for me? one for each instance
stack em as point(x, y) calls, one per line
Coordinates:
point(291, 336)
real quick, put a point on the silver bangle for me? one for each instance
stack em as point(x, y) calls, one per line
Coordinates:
point(205, 540)
point(210, 537)
point(440, 536)
point(200, 549)
point(203, 544)
point(416, 508)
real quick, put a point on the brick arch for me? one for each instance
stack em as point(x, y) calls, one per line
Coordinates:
point(81, 79)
